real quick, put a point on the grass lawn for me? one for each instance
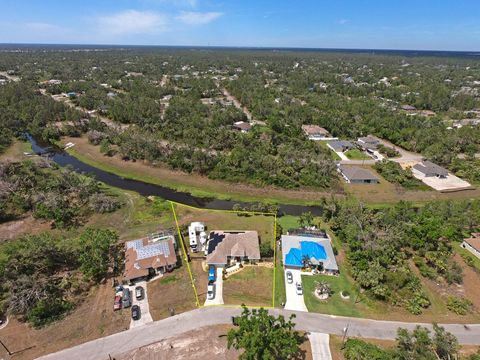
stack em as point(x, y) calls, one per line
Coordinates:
point(16, 150)
point(355, 154)
point(335, 305)
point(462, 251)
point(288, 222)
point(251, 286)
point(280, 294)
point(223, 220)
point(174, 290)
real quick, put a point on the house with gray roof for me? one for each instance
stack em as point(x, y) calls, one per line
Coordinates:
point(357, 175)
point(368, 142)
point(227, 248)
point(428, 169)
point(340, 145)
point(305, 250)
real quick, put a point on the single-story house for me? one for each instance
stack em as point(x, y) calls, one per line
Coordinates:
point(358, 175)
point(368, 142)
point(472, 244)
point(242, 126)
point(303, 250)
point(227, 248)
point(149, 256)
point(428, 169)
point(315, 132)
point(340, 145)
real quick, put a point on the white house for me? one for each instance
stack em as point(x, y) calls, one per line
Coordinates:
point(472, 244)
point(197, 236)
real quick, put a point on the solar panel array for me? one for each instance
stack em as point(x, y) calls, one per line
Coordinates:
point(152, 250)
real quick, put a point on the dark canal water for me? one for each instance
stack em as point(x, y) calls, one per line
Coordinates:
point(62, 158)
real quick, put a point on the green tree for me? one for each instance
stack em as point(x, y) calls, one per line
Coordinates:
point(95, 251)
point(306, 219)
point(262, 336)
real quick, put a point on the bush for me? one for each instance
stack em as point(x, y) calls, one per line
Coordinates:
point(47, 311)
point(266, 250)
point(356, 349)
point(459, 305)
point(388, 151)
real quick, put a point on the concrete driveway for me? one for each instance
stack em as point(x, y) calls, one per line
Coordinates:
point(320, 344)
point(218, 299)
point(294, 301)
point(145, 316)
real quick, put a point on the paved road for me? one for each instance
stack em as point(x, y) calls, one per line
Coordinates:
point(294, 301)
point(357, 162)
point(320, 344)
point(213, 315)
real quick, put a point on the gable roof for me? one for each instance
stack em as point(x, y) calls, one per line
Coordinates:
point(142, 254)
point(242, 125)
point(357, 173)
point(225, 244)
point(428, 168)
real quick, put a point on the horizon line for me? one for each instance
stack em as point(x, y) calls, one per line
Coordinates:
point(473, 52)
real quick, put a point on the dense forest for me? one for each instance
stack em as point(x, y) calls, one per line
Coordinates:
point(177, 108)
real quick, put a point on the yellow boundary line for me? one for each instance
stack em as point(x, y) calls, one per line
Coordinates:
point(180, 238)
point(235, 212)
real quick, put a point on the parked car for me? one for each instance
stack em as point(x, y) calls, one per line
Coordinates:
point(127, 298)
point(299, 288)
point(211, 291)
point(135, 312)
point(139, 293)
point(211, 274)
point(117, 304)
point(289, 277)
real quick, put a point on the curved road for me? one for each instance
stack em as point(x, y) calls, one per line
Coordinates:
point(159, 330)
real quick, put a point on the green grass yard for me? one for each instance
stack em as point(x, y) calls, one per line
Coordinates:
point(355, 154)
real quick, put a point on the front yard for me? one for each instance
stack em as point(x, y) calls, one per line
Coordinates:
point(251, 286)
point(355, 154)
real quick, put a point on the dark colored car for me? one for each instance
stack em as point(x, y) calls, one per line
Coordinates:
point(139, 293)
point(135, 312)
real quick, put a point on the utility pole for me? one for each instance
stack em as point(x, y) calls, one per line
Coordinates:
point(345, 330)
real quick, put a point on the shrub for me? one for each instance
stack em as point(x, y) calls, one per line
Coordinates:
point(266, 250)
point(459, 305)
point(47, 311)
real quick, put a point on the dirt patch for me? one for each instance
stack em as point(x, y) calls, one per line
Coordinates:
point(27, 225)
point(172, 291)
point(251, 286)
point(202, 344)
point(471, 282)
point(92, 319)
point(201, 279)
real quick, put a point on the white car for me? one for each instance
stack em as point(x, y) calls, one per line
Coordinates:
point(299, 289)
point(211, 291)
point(289, 277)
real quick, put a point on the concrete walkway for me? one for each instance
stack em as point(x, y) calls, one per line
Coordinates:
point(214, 315)
point(294, 301)
point(320, 344)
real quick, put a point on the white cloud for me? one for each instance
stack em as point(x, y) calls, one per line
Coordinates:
point(131, 22)
point(343, 21)
point(198, 18)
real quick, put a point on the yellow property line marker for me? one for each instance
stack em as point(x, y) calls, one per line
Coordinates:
point(180, 238)
point(236, 212)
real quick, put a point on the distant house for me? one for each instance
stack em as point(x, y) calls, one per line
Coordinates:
point(368, 143)
point(428, 169)
point(242, 126)
point(228, 248)
point(472, 244)
point(315, 132)
point(301, 250)
point(340, 145)
point(149, 256)
point(427, 113)
point(357, 175)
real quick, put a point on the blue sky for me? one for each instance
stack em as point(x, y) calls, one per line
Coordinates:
point(386, 24)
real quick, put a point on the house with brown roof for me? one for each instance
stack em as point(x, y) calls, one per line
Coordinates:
point(227, 248)
point(315, 132)
point(149, 256)
point(242, 126)
point(472, 244)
